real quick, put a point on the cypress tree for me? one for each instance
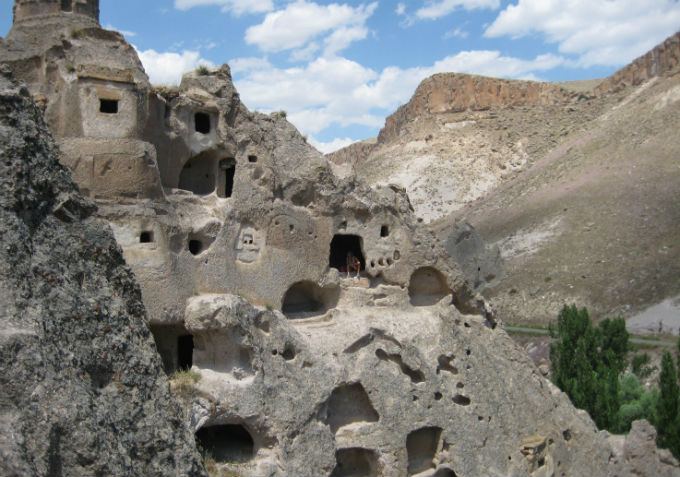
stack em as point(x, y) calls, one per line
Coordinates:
point(667, 408)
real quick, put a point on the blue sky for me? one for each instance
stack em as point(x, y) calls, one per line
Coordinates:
point(338, 68)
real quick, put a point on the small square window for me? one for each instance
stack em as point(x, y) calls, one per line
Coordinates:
point(384, 231)
point(146, 237)
point(252, 158)
point(108, 106)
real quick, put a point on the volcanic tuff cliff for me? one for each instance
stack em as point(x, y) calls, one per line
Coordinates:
point(239, 232)
point(82, 389)
point(575, 183)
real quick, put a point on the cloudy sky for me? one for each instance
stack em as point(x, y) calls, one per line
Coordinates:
point(338, 68)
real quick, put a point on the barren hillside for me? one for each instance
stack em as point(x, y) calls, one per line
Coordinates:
point(577, 184)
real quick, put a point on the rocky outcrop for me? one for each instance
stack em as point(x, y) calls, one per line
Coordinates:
point(482, 264)
point(357, 392)
point(455, 92)
point(662, 60)
point(82, 390)
point(241, 234)
point(638, 450)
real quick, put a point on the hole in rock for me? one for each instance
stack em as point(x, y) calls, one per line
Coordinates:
point(176, 352)
point(444, 472)
point(306, 299)
point(437, 396)
point(108, 106)
point(202, 123)
point(185, 352)
point(355, 462)
point(198, 175)
point(66, 5)
point(415, 375)
point(252, 158)
point(427, 287)
point(444, 363)
point(384, 231)
point(146, 237)
point(100, 374)
point(461, 400)
point(195, 247)
point(226, 443)
point(341, 246)
point(229, 167)
point(348, 404)
point(288, 354)
point(421, 446)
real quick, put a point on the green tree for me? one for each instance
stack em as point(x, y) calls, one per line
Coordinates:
point(587, 362)
point(668, 427)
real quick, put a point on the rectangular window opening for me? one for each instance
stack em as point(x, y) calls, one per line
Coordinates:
point(108, 106)
point(146, 237)
point(202, 123)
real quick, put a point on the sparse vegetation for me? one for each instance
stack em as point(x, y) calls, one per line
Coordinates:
point(75, 33)
point(70, 68)
point(184, 380)
point(281, 114)
point(203, 70)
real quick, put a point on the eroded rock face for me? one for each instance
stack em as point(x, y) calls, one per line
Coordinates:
point(82, 389)
point(662, 60)
point(358, 391)
point(227, 217)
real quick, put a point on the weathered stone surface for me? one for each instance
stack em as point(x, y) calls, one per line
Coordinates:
point(304, 370)
point(82, 390)
point(638, 450)
point(482, 264)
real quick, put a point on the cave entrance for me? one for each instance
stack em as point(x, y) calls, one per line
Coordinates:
point(66, 6)
point(340, 246)
point(185, 352)
point(228, 167)
point(306, 299)
point(175, 345)
point(198, 176)
point(226, 443)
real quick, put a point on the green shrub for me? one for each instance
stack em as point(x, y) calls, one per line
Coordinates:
point(640, 365)
point(203, 70)
point(281, 114)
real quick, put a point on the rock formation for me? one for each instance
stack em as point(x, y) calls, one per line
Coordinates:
point(82, 390)
point(239, 233)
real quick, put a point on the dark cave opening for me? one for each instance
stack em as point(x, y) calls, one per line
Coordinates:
point(341, 245)
point(185, 352)
point(226, 443)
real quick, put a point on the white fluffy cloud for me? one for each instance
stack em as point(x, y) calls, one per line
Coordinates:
point(339, 91)
point(302, 21)
point(238, 7)
point(167, 68)
point(331, 146)
point(434, 9)
point(597, 32)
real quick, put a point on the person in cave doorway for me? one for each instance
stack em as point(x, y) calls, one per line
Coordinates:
point(353, 264)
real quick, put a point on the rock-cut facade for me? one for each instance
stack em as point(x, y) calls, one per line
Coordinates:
point(239, 234)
